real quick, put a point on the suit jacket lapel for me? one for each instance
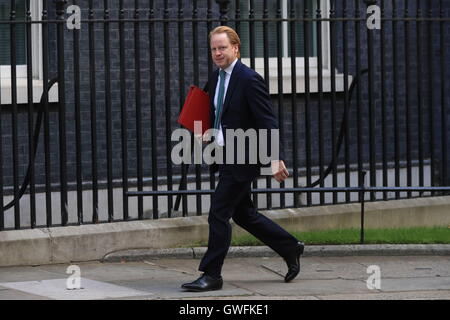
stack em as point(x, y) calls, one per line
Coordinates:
point(231, 85)
point(212, 92)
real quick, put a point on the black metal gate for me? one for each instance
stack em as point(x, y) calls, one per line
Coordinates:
point(90, 92)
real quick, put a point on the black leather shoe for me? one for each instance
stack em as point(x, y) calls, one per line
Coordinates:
point(204, 283)
point(293, 262)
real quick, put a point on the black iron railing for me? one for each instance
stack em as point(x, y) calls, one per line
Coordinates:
point(357, 86)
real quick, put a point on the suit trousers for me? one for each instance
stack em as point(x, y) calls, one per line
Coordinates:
point(232, 199)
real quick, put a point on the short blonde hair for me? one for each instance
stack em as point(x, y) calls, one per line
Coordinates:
point(232, 36)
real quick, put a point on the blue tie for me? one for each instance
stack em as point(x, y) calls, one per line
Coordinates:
point(220, 99)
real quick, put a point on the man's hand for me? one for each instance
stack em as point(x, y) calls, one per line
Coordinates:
point(279, 170)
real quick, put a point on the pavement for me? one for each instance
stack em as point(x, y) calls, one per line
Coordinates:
point(248, 273)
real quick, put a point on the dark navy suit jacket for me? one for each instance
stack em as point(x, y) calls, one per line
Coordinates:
point(247, 105)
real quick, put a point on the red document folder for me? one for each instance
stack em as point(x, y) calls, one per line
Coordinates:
point(196, 108)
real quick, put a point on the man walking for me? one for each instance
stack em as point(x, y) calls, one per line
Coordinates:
point(239, 100)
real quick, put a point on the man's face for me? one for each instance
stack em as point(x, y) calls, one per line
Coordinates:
point(222, 51)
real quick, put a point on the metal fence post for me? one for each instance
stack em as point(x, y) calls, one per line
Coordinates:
point(60, 6)
point(362, 194)
point(444, 106)
point(372, 123)
point(15, 112)
point(372, 160)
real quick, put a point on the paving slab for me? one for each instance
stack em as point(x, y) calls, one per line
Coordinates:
point(413, 266)
point(312, 269)
point(8, 274)
point(109, 272)
point(10, 294)
point(414, 295)
point(390, 266)
point(189, 267)
point(301, 287)
point(254, 278)
point(415, 284)
point(88, 290)
point(171, 288)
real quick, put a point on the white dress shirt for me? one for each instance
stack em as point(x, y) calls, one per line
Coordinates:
point(220, 140)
